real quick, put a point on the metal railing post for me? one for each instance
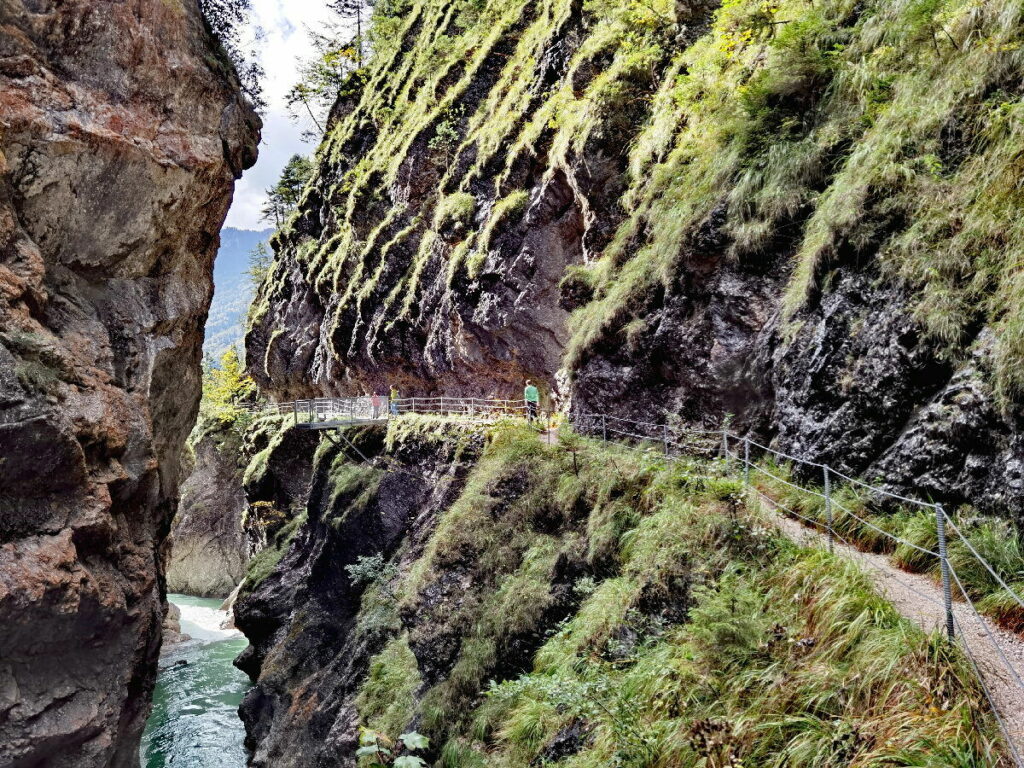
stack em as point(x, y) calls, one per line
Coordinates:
point(725, 447)
point(828, 509)
point(746, 462)
point(664, 437)
point(947, 588)
point(295, 411)
point(604, 428)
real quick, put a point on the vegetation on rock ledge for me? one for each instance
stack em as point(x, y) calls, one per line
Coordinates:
point(613, 608)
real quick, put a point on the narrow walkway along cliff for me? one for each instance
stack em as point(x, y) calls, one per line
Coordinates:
point(122, 131)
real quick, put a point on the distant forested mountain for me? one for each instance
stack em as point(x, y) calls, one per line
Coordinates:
point(232, 291)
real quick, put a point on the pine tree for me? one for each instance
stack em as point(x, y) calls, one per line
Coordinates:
point(260, 261)
point(283, 197)
point(353, 10)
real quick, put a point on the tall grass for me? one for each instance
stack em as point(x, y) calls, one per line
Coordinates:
point(697, 635)
point(995, 540)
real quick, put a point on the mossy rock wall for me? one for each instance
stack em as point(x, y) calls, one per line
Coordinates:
point(801, 214)
point(522, 604)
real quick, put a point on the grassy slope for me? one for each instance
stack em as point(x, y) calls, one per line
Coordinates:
point(667, 626)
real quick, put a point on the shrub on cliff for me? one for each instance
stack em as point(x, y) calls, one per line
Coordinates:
point(227, 391)
point(225, 19)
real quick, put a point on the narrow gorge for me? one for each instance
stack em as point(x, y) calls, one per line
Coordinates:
point(761, 260)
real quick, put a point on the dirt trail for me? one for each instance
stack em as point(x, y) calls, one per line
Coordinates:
point(919, 599)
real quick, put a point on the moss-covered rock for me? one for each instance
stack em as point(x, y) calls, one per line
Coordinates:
point(762, 210)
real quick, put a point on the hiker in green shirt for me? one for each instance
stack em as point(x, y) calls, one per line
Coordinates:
point(393, 400)
point(532, 397)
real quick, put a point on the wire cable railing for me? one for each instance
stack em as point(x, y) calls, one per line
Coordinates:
point(670, 437)
point(333, 411)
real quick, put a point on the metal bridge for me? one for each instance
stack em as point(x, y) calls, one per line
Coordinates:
point(326, 413)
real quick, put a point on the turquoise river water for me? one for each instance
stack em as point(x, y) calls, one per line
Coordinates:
point(195, 705)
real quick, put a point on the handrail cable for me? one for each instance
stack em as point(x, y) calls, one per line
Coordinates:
point(1017, 598)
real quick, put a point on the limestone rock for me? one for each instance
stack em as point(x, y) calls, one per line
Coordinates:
point(300, 619)
point(208, 548)
point(172, 628)
point(122, 134)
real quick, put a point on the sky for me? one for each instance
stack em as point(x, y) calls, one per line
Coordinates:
point(284, 43)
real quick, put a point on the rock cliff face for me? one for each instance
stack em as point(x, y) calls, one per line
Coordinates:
point(121, 134)
point(209, 550)
point(310, 645)
point(679, 209)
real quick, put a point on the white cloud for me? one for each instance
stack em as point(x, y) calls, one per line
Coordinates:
point(283, 44)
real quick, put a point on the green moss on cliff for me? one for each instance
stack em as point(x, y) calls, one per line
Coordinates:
point(265, 561)
point(887, 127)
point(800, 135)
point(387, 701)
point(263, 437)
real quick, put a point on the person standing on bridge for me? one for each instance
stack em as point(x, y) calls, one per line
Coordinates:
point(394, 401)
point(532, 397)
point(376, 401)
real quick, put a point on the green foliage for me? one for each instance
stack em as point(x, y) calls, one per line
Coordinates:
point(36, 377)
point(696, 635)
point(226, 389)
point(446, 136)
point(385, 23)
point(577, 287)
point(283, 198)
point(225, 20)
point(257, 466)
point(266, 560)
point(376, 751)
point(260, 262)
point(370, 570)
point(455, 209)
point(333, 67)
point(386, 702)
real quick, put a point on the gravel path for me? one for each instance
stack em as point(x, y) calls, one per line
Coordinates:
point(998, 654)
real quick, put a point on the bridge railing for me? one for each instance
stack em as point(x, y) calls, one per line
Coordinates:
point(326, 410)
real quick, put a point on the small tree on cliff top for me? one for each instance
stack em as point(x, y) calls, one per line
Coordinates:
point(283, 197)
point(260, 262)
point(321, 79)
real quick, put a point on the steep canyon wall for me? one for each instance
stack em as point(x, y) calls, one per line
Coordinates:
point(122, 131)
point(801, 215)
